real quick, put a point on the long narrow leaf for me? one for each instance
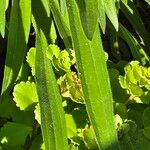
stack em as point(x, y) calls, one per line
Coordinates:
point(64, 12)
point(2, 17)
point(94, 79)
point(136, 50)
point(43, 19)
point(133, 16)
point(61, 24)
point(102, 16)
point(52, 114)
point(19, 28)
point(148, 1)
point(88, 15)
point(111, 12)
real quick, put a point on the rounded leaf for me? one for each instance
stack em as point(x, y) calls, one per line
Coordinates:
point(31, 59)
point(13, 135)
point(25, 95)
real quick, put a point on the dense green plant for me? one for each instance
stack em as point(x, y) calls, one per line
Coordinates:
point(76, 75)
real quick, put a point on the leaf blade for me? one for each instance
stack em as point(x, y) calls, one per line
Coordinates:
point(17, 39)
point(88, 54)
point(60, 22)
point(52, 114)
point(2, 17)
point(112, 13)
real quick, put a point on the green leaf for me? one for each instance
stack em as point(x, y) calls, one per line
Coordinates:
point(53, 51)
point(132, 14)
point(71, 126)
point(133, 128)
point(146, 117)
point(10, 139)
point(60, 22)
point(136, 50)
point(60, 59)
point(53, 34)
point(146, 132)
point(135, 113)
point(80, 117)
point(145, 98)
point(148, 1)
point(19, 27)
point(9, 110)
point(47, 9)
point(70, 123)
point(135, 90)
point(2, 16)
point(72, 147)
point(52, 115)
point(37, 113)
point(114, 43)
point(71, 87)
point(64, 12)
point(123, 82)
point(89, 138)
point(115, 86)
point(78, 142)
point(30, 58)
point(64, 60)
point(44, 16)
point(102, 16)
point(37, 143)
point(22, 117)
point(7, 103)
point(126, 134)
point(141, 142)
point(130, 77)
point(23, 73)
point(25, 95)
point(88, 16)
point(111, 12)
point(121, 110)
point(126, 143)
point(94, 80)
point(121, 65)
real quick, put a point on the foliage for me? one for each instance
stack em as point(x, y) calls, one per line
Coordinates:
point(76, 75)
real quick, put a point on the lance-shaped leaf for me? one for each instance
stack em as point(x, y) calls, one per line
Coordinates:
point(111, 12)
point(52, 114)
point(132, 14)
point(60, 22)
point(88, 15)
point(94, 79)
point(102, 16)
point(148, 1)
point(19, 28)
point(64, 12)
point(137, 52)
point(3, 6)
